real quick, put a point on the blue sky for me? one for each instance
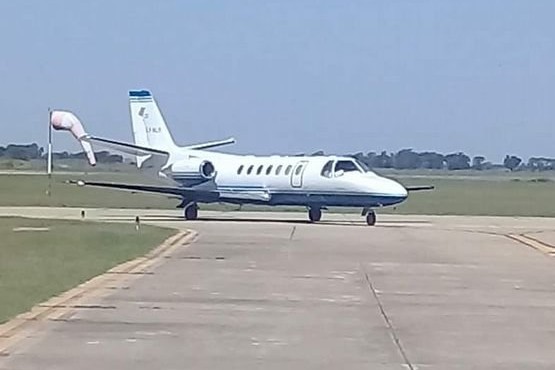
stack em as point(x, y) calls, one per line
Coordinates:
point(289, 76)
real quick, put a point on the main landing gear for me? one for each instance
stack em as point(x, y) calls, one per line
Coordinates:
point(191, 211)
point(370, 216)
point(314, 214)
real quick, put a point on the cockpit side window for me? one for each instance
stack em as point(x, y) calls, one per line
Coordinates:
point(363, 165)
point(346, 166)
point(327, 169)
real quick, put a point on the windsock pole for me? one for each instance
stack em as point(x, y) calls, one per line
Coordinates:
point(49, 154)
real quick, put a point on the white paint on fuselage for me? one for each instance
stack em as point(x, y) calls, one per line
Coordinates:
point(365, 185)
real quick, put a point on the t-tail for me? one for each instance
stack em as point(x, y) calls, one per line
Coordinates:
point(149, 127)
point(153, 142)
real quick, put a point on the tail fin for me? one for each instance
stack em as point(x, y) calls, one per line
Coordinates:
point(149, 127)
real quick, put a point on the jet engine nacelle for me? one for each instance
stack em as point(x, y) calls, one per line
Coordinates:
point(193, 170)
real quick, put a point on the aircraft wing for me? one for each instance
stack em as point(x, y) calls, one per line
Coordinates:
point(419, 188)
point(192, 193)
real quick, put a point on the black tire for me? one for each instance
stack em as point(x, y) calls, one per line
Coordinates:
point(191, 212)
point(314, 214)
point(371, 218)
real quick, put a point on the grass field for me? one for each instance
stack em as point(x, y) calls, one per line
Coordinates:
point(36, 265)
point(482, 196)
point(457, 193)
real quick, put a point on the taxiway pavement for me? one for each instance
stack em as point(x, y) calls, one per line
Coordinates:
point(268, 290)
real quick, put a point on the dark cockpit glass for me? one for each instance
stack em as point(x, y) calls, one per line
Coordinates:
point(346, 166)
point(327, 169)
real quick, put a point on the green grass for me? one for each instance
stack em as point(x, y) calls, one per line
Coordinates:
point(32, 190)
point(465, 193)
point(483, 196)
point(36, 265)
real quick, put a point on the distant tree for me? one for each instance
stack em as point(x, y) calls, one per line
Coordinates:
point(382, 160)
point(406, 159)
point(541, 164)
point(511, 162)
point(457, 161)
point(106, 157)
point(77, 155)
point(478, 162)
point(22, 151)
point(2, 150)
point(60, 155)
point(487, 165)
point(431, 160)
point(318, 153)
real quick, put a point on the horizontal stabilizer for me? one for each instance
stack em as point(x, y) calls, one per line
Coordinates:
point(211, 144)
point(126, 148)
point(151, 158)
point(420, 188)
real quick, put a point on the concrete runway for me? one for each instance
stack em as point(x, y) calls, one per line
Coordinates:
point(267, 290)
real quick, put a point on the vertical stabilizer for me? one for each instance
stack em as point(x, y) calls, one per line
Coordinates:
point(149, 127)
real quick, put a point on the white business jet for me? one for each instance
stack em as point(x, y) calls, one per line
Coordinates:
point(199, 176)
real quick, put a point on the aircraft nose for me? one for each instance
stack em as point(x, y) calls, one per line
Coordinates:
point(395, 189)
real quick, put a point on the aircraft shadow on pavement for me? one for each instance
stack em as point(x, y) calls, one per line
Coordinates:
point(168, 218)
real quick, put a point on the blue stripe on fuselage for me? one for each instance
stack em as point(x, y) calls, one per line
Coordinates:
point(321, 198)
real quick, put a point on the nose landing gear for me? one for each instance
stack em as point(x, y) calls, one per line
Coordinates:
point(314, 214)
point(370, 216)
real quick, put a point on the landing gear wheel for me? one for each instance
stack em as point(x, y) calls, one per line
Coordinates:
point(371, 218)
point(314, 214)
point(191, 212)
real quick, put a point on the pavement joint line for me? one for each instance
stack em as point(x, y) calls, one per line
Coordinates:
point(533, 243)
point(387, 320)
point(65, 303)
point(292, 232)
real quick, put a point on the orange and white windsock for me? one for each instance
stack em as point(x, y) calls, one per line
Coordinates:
point(67, 121)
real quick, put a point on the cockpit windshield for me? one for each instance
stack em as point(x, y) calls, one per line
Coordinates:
point(341, 166)
point(346, 166)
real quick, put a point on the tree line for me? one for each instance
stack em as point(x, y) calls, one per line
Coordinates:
point(402, 159)
point(27, 152)
point(410, 159)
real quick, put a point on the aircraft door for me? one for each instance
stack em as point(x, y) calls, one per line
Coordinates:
point(297, 174)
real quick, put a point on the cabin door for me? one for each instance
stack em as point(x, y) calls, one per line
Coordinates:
point(297, 174)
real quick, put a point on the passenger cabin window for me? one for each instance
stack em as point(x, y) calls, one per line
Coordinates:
point(269, 170)
point(259, 170)
point(299, 170)
point(326, 170)
point(278, 169)
point(346, 166)
point(288, 170)
point(249, 170)
point(240, 169)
